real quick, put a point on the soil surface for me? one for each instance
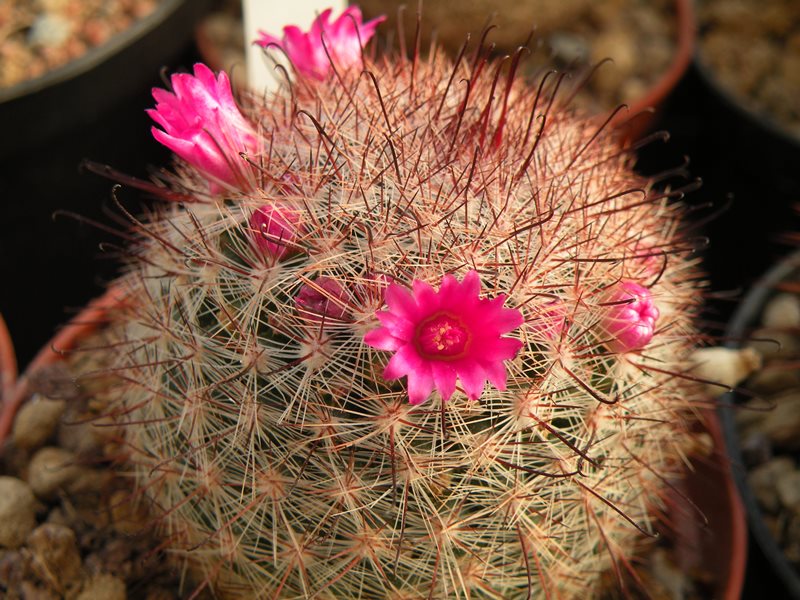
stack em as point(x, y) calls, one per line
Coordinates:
point(37, 36)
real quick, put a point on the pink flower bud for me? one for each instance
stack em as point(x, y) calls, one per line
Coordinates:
point(343, 39)
point(322, 298)
point(275, 228)
point(630, 317)
point(202, 124)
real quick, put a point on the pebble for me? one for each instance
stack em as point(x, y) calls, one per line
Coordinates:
point(49, 30)
point(36, 421)
point(764, 478)
point(773, 344)
point(55, 557)
point(52, 469)
point(726, 367)
point(782, 424)
point(17, 511)
point(782, 312)
point(103, 586)
point(40, 35)
point(747, 44)
point(774, 378)
point(788, 488)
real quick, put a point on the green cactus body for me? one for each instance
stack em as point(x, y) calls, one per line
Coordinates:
point(280, 461)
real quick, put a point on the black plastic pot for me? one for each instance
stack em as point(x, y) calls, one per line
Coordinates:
point(76, 93)
point(92, 108)
point(744, 321)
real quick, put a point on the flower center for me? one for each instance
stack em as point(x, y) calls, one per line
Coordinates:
point(443, 336)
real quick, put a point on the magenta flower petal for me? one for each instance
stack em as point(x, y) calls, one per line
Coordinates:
point(473, 379)
point(202, 124)
point(401, 328)
point(420, 386)
point(496, 374)
point(630, 317)
point(404, 362)
point(343, 40)
point(444, 378)
point(383, 340)
point(443, 336)
point(401, 302)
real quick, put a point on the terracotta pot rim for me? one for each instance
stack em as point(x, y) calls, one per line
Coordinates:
point(733, 585)
point(8, 363)
point(682, 58)
point(742, 321)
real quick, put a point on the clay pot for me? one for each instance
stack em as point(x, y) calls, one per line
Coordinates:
point(8, 365)
point(721, 547)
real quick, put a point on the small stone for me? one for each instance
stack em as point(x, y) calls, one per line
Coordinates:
point(17, 512)
point(52, 469)
point(727, 367)
point(159, 593)
point(774, 344)
point(80, 432)
point(49, 30)
point(788, 488)
point(782, 424)
point(14, 568)
point(36, 421)
point(55, 557)
point(31, 591)
point(782, 312)
point(774, 377)
point(103, 586)
point(128, 516)
point(763, 481)
point(756, 448)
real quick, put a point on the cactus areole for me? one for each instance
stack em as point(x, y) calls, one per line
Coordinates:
point(380, 338)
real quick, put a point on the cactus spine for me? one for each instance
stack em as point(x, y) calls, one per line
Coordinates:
point(279, 459)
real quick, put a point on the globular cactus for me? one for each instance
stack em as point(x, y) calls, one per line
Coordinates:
point(409, 329)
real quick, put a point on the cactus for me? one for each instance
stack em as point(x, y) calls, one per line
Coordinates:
point(257, 387)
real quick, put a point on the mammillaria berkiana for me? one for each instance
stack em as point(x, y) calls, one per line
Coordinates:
point(412, 329)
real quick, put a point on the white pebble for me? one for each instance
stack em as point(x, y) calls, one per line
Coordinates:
point(17, 512)
point(783, 311)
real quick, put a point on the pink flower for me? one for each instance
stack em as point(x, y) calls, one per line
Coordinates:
point(202, 124)
point(275, 229)
point(322, 298)
point(630, 317)
point(343, 39)
point(438, 336)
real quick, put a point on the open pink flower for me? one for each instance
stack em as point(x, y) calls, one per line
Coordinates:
point(630, 317)
point(344, 39)
point(438, 336)
point(322, 298)
point(202, 124)
point(275, 228)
